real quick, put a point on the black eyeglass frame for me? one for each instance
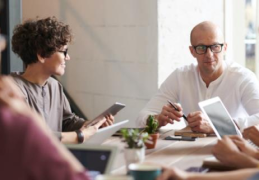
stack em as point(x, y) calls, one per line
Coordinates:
point(221, 45)
point(65, 52)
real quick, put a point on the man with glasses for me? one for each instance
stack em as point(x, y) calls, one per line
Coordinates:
point(42, 45)
point(237, 86)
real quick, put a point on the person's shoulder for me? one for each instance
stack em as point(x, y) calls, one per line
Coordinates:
point(20, 82)
point(17, 77)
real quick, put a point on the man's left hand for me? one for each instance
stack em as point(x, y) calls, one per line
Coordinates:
point(198, 122)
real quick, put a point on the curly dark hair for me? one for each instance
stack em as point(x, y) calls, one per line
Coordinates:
point(40, 36)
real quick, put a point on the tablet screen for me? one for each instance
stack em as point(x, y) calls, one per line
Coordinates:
point(92, 160)
point(220, 119)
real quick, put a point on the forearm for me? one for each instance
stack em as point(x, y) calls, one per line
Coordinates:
point(245, 161)
point(69, 138)
point(238, 174)
point(256, 156)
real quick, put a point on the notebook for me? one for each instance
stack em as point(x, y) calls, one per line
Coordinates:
point(219, 118)
point(104, 133)
point(95, 158)
point(187, 132)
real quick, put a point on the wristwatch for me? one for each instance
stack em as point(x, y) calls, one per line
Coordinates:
point(80, 136)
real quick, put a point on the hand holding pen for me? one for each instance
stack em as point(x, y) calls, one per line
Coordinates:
point(168, 115)
point(172, 104)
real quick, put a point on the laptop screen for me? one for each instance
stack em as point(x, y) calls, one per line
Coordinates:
point(93, 160)
point(220, 118)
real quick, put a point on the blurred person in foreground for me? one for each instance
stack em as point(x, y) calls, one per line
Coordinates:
point(28, 148)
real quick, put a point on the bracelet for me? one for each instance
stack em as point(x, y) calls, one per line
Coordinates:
point(80, 136)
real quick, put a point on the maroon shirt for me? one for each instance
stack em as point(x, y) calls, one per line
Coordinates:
point(27, 154)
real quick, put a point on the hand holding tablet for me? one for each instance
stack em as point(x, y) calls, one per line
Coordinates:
point(113, 110)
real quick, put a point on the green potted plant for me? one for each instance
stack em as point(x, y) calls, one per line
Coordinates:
point(135, 149)
point(152, 130)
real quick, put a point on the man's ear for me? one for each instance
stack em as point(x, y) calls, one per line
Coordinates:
point(40, 59)
point(192, 51)
point(225, 47)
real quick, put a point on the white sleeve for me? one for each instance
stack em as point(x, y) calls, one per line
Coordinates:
point(250, 101)
point(167, 91)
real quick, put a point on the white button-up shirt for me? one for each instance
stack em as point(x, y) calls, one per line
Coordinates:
point(237, 87)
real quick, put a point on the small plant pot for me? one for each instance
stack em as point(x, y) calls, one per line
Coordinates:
point(153, 140)
point(134, 156)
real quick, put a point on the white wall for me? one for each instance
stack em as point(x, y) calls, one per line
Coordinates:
point(115, 53)
point(176, 18)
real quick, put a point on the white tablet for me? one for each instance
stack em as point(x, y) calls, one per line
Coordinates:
point(113, 110)
point(104, 133)
point(219, 118)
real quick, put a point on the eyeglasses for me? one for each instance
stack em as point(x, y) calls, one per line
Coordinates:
point(202, 49)
point(65, 52)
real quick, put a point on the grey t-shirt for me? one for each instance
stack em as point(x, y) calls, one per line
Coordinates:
point(50, 101)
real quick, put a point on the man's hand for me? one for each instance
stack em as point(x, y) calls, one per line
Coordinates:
point(198, 122)
point(169, 114)
point(252, 133)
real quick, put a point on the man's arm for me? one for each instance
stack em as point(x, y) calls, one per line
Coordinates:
point(249, 92)
point(167, 91)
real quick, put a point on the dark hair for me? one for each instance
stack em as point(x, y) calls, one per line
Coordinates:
point(40, 36)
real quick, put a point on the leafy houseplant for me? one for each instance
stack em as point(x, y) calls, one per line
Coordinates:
point(152, 130)
point(152, 125)
point(135, 150)
point(134, 138)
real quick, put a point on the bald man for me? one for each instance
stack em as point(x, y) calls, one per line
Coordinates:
point(211, 76)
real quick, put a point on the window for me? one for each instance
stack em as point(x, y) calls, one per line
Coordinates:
point(250, 35)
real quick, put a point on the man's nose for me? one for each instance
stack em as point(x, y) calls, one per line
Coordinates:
point(209, 52)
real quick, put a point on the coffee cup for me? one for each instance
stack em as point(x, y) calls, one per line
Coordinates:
point(141, 171)
point(113, 177)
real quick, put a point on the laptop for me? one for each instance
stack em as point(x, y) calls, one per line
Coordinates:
point(104, 133)
point(219, 118)
point(97, 159)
